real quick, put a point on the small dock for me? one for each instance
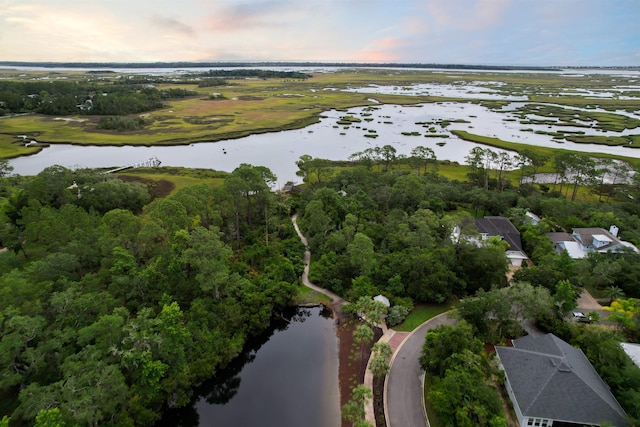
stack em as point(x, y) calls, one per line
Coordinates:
point(151, 162)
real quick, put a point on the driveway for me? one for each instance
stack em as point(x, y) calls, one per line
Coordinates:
point(587, 303)
point(403, 400)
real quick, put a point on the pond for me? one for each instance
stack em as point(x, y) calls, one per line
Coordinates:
point(403, 127)
point(287, 377)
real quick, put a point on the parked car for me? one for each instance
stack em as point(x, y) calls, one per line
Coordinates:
point(581, 317)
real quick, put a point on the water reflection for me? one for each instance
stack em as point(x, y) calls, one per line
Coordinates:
point(393, 125)
point(285, 377)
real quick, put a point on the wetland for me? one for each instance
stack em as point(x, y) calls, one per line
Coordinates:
point(332, 114)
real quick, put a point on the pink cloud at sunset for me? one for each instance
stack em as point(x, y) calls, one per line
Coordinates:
point(522, 32)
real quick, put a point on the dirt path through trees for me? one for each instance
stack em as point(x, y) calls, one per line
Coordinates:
point(350, 373)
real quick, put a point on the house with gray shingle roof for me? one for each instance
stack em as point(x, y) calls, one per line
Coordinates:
point(503, 228)
point(552, 383)
point(491, 226)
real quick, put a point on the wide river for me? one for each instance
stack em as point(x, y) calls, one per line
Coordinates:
point(288, 377)
point(280, 150)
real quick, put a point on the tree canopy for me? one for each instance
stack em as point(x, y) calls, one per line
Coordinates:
point(113, 305)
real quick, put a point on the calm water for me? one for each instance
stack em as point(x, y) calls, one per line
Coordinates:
point(279, 151)
point(287, 378)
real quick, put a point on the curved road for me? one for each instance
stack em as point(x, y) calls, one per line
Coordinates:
point(403, 391)
point(404, 396)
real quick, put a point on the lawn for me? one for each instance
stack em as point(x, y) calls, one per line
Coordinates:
point(420, 314)
point(307, 295)
point(431, 413)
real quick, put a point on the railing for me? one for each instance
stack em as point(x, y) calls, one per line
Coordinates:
point(152, 162)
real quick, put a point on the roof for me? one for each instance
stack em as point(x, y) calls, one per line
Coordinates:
point(382, 299)
point(560, 237)
point(516, 255)
point(581, 242)
point(500, 226)
point(630, 246)
point(602, 238)
point(533, 218)
point(633, 351)
point(567, 242)
point(587, 235)
point(574, 249)
point(551, 379)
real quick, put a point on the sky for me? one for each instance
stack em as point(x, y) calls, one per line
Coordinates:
point(486, 32)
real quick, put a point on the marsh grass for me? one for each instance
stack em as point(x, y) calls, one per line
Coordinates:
point(632, 141)
point(577, 118)
point(179, 177)
point(547, 151)
point(251, 106)
point(11, 147)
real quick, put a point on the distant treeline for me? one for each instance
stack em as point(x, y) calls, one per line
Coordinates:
point(65, 97)
point(264, 74)
point(107, 65)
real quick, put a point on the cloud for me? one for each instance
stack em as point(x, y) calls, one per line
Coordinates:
point(172, 25)
point(250, 15)
point(464, 15)
point(84, 33)
point(383, 50)
point(542, 32)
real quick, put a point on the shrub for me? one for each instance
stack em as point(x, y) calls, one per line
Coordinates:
point(396, 315)
point(121, 124)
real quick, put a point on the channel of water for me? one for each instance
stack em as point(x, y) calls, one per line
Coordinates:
point(280, 150)
point(287, 377)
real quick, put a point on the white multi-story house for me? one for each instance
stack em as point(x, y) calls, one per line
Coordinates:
point(582, 241)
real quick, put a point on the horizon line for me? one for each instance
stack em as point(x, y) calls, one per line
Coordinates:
point(239, 63)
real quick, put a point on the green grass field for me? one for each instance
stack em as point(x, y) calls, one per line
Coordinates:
point(420, 314)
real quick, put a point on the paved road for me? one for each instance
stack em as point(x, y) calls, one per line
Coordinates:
point(404, 403)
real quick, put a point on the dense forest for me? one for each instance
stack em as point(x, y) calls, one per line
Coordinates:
point(387, 228)
point(60, 97)
point(113, 305)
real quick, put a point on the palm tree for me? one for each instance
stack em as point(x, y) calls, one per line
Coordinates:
point(613, 293)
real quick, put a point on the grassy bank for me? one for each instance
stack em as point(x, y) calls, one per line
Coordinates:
point(546, 151)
